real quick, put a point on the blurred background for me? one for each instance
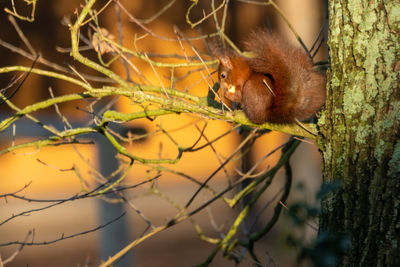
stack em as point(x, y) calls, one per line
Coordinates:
point(62, 172)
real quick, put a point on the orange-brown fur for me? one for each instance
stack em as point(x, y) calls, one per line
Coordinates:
point(296, 91)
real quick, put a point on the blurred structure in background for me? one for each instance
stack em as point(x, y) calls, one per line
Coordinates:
point(59, 172)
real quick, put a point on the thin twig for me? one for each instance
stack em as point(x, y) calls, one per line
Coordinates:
point(19, 86)
point(63, 237)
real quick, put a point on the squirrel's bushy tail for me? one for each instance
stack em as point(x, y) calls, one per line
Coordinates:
point(298, 86)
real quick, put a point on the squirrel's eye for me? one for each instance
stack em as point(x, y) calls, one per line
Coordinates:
point(223, 75)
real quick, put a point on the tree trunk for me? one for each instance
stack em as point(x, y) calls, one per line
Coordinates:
point(360, 131)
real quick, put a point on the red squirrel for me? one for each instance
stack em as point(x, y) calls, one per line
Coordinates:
point(279, 84)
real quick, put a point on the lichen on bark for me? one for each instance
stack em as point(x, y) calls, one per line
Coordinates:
point(360, 129)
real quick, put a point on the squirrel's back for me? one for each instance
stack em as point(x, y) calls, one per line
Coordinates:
point(299, 88)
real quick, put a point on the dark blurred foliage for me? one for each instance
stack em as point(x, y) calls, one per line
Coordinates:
point(328, 248)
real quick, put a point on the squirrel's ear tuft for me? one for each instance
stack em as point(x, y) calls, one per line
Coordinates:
point(225, 61)
point(215, 46)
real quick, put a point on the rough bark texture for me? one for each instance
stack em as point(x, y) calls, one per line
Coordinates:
point(360, 130)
